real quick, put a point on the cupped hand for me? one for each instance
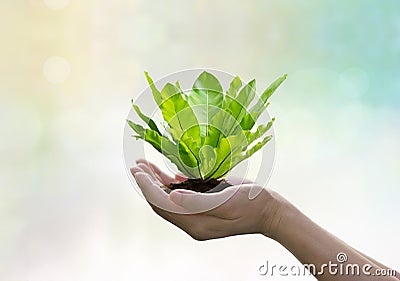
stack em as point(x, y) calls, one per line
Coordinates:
point(204, 216)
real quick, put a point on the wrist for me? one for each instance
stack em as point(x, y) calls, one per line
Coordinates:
point(279, 216)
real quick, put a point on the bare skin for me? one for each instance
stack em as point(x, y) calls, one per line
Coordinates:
point(268, 213)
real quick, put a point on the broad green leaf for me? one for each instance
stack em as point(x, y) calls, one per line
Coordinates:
point(146, 119)
point(226, 149)
point(247, 122)
point(137, 128)
point(207, 133)
point(231, 94)
point(237, 107)
point(247, 94)
point(188, 157)
point(206, 99)
point(179, 156)
point(258, 146)
point(191, 138)
point(261, 130)
point(238, 158)
point(254, 113)
point(169, 91)
point(207, 159)
point(213, 136)
point(152, 137)
point(176, 111)
point(272, 88)
point(154, 90)
point(237, 112)
point(219, 127)
point(234, 87)
point(261, 104)
point(222, 152)
point(207, 90)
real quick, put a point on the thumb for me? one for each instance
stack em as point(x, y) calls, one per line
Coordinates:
point(180, 177)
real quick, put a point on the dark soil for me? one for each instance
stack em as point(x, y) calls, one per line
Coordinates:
point(199, 185)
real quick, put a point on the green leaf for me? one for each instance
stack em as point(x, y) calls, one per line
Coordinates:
point(212, 137)
point(152, 137)
point(137, 128)
point(207, 132)
point(206, 87)
point(225, 151)
point(218, 127)
point(207, 159)
point(234, 87)
point(206, 99)
point(247, 94)
point(187, 155)
point(237, 112)
point(222, 152)
point(154, 90)
point(237, 107)
point(272, 88)
point(177, 112)
point(262, 104)
point(247, 122)
point(232, 92)
point(254, 113)
point(238, 158)
point(258, 146)
point(261, 130)
point(146, 119)
point(176, 154)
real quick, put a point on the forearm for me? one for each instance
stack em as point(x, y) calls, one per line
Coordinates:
point(397, 274)
point(311, 244)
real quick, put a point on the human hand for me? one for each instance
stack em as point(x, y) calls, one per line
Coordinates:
point(211, 215)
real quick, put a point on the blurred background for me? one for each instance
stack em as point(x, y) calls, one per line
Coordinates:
point(69, 69)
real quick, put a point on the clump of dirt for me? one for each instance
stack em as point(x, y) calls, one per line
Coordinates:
point(199, 185)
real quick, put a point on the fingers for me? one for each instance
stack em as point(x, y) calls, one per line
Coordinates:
point(162, 176)
point(147, 169)
point(144, 169)
point(155, 195)
point(198, 226)
point(201, 202)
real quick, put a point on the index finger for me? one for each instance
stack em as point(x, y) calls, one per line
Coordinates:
point(164, 177)
point(156, 196)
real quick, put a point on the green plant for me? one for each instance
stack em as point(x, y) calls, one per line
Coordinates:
point(207, 131)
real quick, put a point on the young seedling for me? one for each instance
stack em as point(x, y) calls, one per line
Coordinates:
point(208, 131)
